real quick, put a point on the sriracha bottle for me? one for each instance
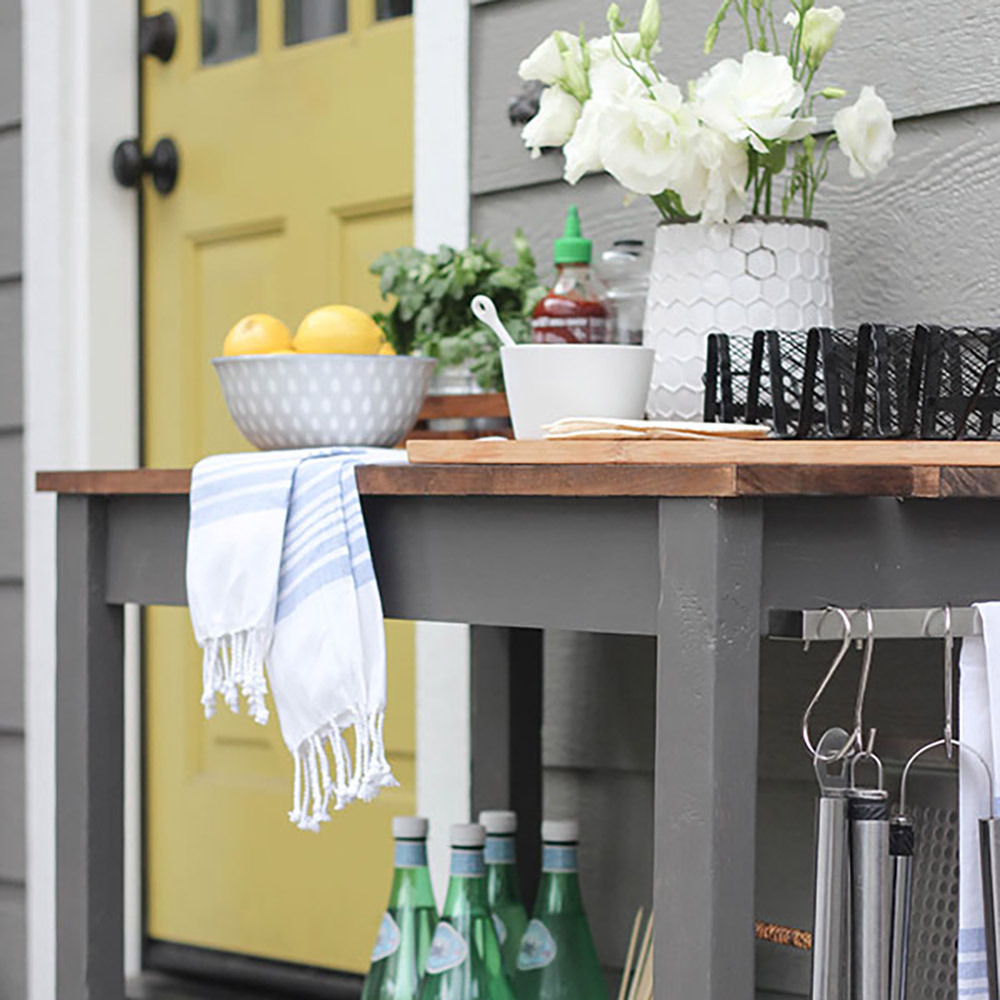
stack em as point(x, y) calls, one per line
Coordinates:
point(572, 312)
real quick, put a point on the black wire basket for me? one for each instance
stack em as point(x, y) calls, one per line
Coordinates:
point(874, 381)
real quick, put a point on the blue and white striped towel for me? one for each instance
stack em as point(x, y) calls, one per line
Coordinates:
point(279, 575)
point(979, 718)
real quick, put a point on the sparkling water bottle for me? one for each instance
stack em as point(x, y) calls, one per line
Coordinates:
point(404, 936)
point(503, 889)
point(557, 960)
point(465, 961)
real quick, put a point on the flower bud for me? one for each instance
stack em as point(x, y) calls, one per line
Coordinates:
point(614, 17)
point(819, 27)
point(649, 24)
point(833, 93)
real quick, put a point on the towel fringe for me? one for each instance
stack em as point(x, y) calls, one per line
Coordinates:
point(232, 665)
point(316, 783)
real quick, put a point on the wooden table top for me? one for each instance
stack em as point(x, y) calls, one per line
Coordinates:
point(775, 468)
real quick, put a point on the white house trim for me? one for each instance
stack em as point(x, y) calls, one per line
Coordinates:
point(81, 375)
point(441, 215)
point(80, 355)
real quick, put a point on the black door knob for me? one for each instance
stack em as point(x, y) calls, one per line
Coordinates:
point(158, 36)
point(163, 164)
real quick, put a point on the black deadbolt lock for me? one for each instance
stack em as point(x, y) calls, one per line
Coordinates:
point(163, 164)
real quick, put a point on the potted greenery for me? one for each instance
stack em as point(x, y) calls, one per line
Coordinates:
point(431, 314)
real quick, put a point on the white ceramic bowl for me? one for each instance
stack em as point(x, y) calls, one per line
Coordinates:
point(312, 400)
point(546, 382)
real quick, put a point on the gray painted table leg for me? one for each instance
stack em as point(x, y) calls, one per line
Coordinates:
point(706, 748)
point(506, 694)
point(89, 761)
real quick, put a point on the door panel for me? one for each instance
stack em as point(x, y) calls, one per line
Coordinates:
point(296, 171)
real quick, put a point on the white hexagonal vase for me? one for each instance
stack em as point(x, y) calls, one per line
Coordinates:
point(759, 274)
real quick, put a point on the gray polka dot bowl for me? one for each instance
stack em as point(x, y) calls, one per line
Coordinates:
point(312, 400)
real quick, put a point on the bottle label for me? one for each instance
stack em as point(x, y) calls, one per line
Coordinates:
point(569, 330)
point(468, 863)
point(501, 929)
point(448, 950)
point(411, 854)
point(538, 947)
point(501, 851)
point(387, 941)
point(559, 858)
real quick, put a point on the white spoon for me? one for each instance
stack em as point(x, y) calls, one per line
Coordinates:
point(484, 310)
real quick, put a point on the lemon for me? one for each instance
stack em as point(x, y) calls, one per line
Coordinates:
point(338, 330)
point(257, 334)
point(387, 348)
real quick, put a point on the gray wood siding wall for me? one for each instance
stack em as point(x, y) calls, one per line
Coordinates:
point(12, 814)
point(920, 243)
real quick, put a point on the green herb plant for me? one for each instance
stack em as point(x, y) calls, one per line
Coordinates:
point(433, 293)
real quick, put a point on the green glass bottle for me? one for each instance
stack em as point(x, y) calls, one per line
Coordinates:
point(404, 936)
point(557, 960)
point(503, 890)
point(465, 961)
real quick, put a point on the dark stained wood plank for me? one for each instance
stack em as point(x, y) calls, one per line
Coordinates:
point(970, 482)
point(465, 406)
point(550, 480)
point(123, 481)
point(833, 480)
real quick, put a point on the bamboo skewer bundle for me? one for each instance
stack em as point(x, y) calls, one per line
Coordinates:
point(637, 978)
point(637, 974)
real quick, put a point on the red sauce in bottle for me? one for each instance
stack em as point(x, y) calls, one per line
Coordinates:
point(572, 312)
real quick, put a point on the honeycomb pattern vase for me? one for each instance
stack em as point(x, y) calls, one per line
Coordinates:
point(759, 274)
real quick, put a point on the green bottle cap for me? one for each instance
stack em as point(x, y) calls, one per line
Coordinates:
point(571, 247)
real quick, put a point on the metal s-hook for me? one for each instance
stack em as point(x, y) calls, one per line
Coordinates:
point(949, 675)
point(845, 645)
point(858, 736)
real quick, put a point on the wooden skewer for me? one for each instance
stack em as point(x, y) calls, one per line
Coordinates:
point(640, 972)
point(636, 924)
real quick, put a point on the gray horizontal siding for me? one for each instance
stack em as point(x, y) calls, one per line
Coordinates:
point(10, 202)
point(11, 507)
point(918, 243)
point(12, 820)
point(13, 943)
point(11, 658)
point(924, 56)
point(10, 62)
point(13, 950)
point(11, 394)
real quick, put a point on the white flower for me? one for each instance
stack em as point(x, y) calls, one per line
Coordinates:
point(755, 100)
point(600, 48)
point(644, 138)
point(714, 184)
point(583, 151)
point(865, 133)
point(818, 31)
point(608, 78)
point(549, 60)
point(554, 123)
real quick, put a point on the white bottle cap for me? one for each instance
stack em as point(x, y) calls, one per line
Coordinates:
point(467, 835)
point(409, 827)
point(498, 821)
point(560, 831)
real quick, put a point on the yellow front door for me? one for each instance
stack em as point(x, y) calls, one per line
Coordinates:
point(293, 120)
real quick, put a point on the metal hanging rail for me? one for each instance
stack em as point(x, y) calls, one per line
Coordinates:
point(889, 623)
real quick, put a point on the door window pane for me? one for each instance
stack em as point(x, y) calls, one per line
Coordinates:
point(386, 9)
point(307, 20)
point(228, 30)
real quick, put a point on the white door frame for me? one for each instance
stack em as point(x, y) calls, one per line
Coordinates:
point(81, 374)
